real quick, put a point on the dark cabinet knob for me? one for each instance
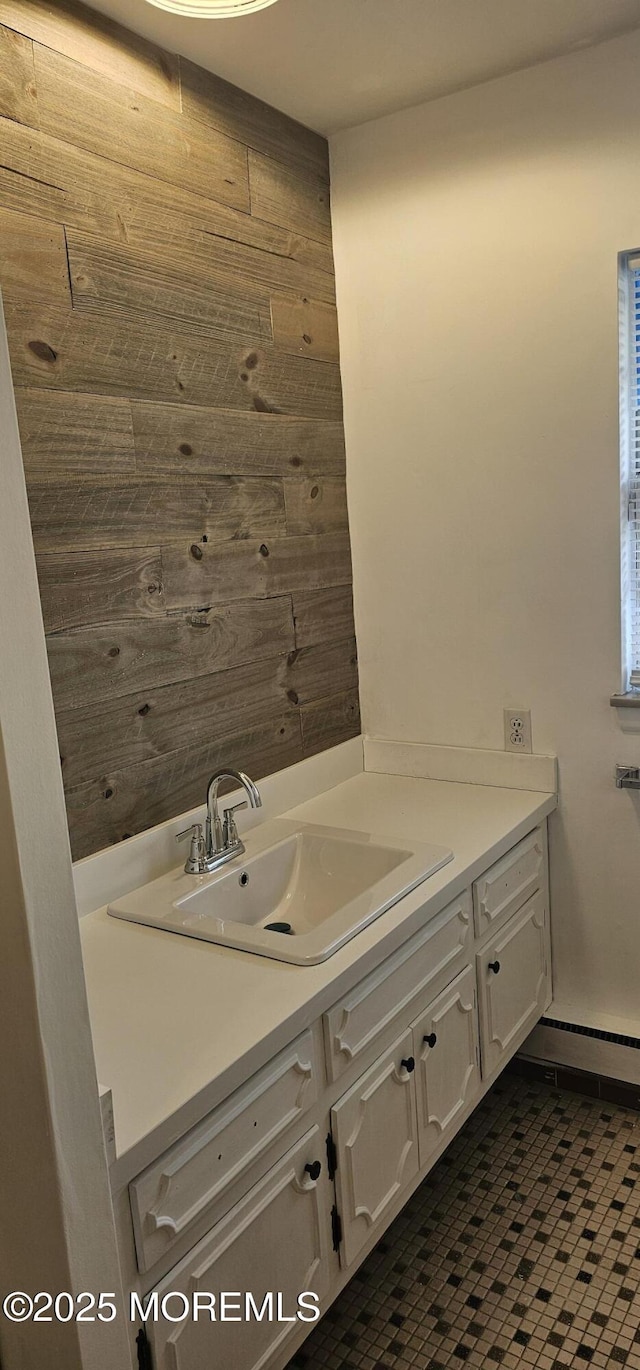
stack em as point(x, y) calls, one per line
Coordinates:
point(495, 967)
point(314, 1169)
point(408, 1064)
point(431, 1040)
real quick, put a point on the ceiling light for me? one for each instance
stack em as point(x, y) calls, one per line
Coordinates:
point(211, 9)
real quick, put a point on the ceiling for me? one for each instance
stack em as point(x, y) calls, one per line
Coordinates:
point(335, 63)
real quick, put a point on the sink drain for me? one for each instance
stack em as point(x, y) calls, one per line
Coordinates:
point(279, 927)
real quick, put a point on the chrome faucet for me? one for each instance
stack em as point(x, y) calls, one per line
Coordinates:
point(221, 841)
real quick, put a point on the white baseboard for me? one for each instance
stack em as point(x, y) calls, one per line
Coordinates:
point(466, 765)
point(557, 1046)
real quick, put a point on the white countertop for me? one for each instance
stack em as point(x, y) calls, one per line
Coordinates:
point(178, 1024)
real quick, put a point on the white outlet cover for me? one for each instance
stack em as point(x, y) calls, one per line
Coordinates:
point(517, 730)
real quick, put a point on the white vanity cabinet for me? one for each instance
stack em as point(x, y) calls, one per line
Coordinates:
point(396, 1116)
point(375, 1131)
point(273, 1245)
point(513, 981)
point(288, 1184)
point(174, 1195)
point(447, 1055)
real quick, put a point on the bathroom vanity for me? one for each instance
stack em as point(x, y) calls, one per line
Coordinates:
point(272, 1119)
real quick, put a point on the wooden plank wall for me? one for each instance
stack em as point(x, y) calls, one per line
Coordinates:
point(166, 267)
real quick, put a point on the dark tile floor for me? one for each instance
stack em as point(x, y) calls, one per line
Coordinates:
point(522, 1248)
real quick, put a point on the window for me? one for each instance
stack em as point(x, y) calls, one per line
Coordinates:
point(629, 295)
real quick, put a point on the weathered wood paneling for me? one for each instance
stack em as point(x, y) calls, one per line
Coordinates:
point(95, 41)
point(150, 358)
point(307, 328)
point(120, 802)
point(87, 514)
point(185, 468)
point(323, 615)
point(281, 196)
point(33, 259)
point(78, 188)
point(83, 107)
point(196, 576)
point(316, 506)
point(214, 102)
point(258, 267)
point(17, 78)
point(69, 435)
point(92, 664)
point(144, 725)
point(140, 283)
point(318, 672)
point(184, 440)
point(328, 722)
point(99, 587)
point(137, 727)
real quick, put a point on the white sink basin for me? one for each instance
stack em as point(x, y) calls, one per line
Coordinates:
point(298, 893)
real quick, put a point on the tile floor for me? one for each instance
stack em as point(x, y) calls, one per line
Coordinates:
point(522, 1248)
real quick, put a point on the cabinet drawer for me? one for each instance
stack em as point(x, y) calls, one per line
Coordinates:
point(272, 1246)
point(353, 1023)
point(507, 885)
point(176, 1190)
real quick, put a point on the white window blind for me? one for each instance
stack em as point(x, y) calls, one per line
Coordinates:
point(630, 435)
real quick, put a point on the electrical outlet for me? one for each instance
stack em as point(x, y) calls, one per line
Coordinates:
point(517, 730)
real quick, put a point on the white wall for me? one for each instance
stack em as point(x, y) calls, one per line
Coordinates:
point(56, 1231)
point(476, 242)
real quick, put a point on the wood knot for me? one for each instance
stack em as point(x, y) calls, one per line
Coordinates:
point(251, 361)
point(315, 491)
point(186, 449)
point(43, 351)
point(306, 337)
point(293, 696)
point(114, 651)
point(146, 709)
point(264, 550)
point(152, 589)
point(196, 552)
point(108, 794)
point(296, 461)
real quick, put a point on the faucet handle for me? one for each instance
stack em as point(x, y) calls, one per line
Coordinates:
point(230, 831)
point(194, 831)
point(196, 860)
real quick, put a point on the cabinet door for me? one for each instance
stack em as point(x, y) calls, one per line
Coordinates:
point(447, 1061)
point(375, 1130)
point(276, 1243)
point(513, 979)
